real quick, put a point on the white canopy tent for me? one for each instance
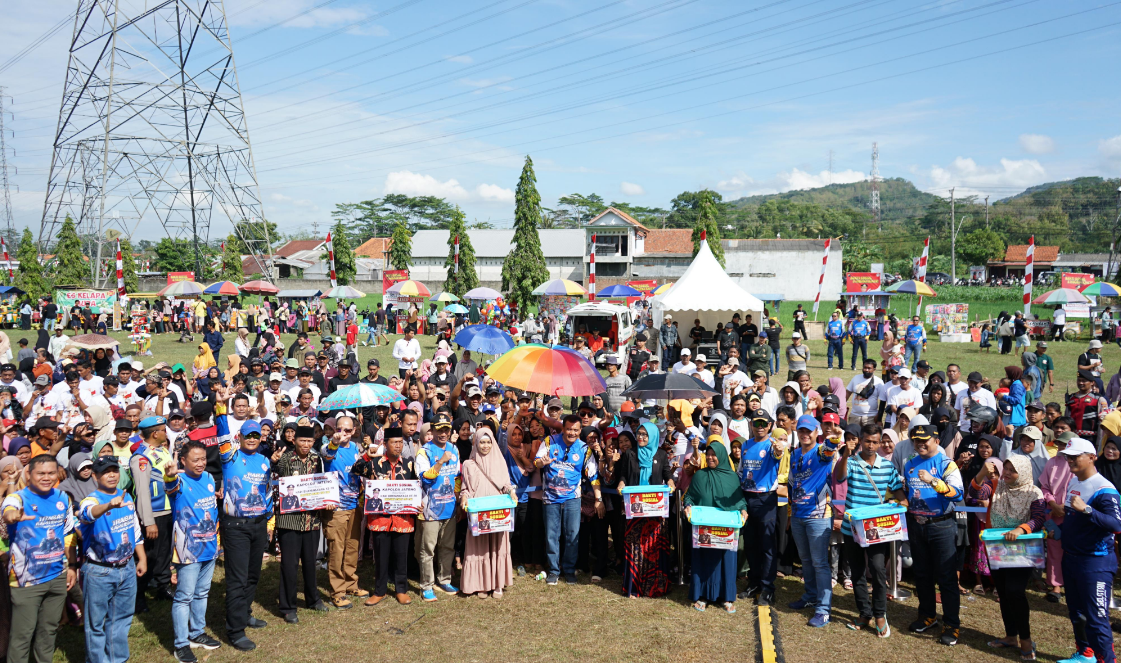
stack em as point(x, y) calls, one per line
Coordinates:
point(707, 293)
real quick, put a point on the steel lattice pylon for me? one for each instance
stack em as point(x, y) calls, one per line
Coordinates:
point(152, 128)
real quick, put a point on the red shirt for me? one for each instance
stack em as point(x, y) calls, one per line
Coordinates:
point(352, 334)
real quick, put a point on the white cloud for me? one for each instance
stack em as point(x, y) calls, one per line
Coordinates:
point(972, 179)
point(1037, 144)
point(1110, 147)
point(796, 179)
point(418, 184)
point(632, 189)
point(251, 13)
point(494, 193)
point(737, 182)
point(461, 59)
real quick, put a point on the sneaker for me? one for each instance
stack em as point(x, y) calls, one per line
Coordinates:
point(448, 588)
point(949, 637)
point(185, 655)
point(428, 595)
point(320, 607)
point(764, 599)
point(750, 592)
point(243, 644)
point(551, 579)
point(256, 623)
point(204, 641)
point(800, 604)
point(597, 579)
point(1084, 656)
point(818, 620)
point(922, 625)
point(571, 579)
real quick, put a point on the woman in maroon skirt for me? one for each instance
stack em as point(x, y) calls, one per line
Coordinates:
point(647, 539)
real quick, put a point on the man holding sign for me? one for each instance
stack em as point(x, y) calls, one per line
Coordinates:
point(437, 467)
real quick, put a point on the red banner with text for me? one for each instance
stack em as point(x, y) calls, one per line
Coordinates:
point(862, 281)
point(175, 277)
point(1077, 282)
point(647, 288)
point(389, 277)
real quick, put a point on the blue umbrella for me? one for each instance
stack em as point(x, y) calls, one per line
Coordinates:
point(360, 395)
point(485, 339)
point(456, 308)
point(618, 291)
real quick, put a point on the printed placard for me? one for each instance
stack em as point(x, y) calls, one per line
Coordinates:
point(879, 529)
point(654, 504)
point(719, 538)
point(1021, 553)
point(491, 522)
point(308, 492)
point(398, 498)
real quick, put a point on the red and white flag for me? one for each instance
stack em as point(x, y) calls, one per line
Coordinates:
point(331, 258)
point(920, 270)
point(592, 271)
point(7, 261)
point(1029, 275)
point(820, 279)
point(120, 272)
point(457, 254)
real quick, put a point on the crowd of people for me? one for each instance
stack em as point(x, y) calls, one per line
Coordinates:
point(125, 484)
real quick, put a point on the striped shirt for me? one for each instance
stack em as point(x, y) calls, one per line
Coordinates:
point(861, 492)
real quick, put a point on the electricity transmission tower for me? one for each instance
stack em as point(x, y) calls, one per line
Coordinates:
point(152, 130)
point(7, 224)
point(876, 186)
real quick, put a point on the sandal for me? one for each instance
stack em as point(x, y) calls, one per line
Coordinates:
point(1000, 644)
point(730, 608)
point(699, 606)
point(847, 583)
point(886, 632)
point(979, 590)
point(859, 623)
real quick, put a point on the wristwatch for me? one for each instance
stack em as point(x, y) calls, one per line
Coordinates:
point(1087, 510)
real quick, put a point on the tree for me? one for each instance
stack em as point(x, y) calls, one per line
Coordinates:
point(231, 268)
point(706, 222)
point(70, 265)
point(466, 278)
point(255, 233)
point(175, 255)
point(30, 277)
point(346, 266)
point(128, 267)
point(980, 246)
point(401, 246)
point(524, 268)
point(687, 205)
point(582, 208)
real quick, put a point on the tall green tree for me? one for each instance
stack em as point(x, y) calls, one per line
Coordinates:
point(346, 265)
point(706, 223)
point(30, 277)
point(128, 267)
point(70, 265)
point(980, 246)
point(466, 278)
point(524, 268)
point(401, 246)
point(230, 267)
point(582, 209)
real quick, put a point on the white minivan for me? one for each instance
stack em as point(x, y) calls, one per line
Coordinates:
point(615, 325)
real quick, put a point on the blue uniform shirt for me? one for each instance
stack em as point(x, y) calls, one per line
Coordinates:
point(938, 498)
point(914, 334)
point(245, 477)
point(562, 477)
point(809, 479)
point(439, 490)
point(111, 538)
point(759, 466)
point(518, 479)
point(860, 328)
point(1092, 534)
point(834, 329)
point(194, 509)
point(38, 546)
point(339, 460)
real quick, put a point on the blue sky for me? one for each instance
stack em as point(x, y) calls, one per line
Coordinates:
point(636, 101)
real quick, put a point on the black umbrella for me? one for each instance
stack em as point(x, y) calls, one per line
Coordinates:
point(669, 386)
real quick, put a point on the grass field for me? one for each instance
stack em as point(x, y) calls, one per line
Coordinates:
point(534, 622)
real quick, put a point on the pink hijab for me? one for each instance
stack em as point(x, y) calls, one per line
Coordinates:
point(837, 386)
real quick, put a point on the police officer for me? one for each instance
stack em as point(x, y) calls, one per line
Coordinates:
point(859, 330)
point(759, 464)
point(153, 508)
point(758, 355)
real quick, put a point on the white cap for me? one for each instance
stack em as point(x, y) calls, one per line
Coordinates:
point(1095, 344)
point(137, 365)
point(702, 358)
point(669, 317)
point(1078, 446)
point(442, 359)
point(796, 335)
point(276, 377)
point(904, 373)
point(686, 352)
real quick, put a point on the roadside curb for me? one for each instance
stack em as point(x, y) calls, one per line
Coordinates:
point(766, 634)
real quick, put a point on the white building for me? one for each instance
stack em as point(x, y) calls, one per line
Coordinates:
point(563, 249)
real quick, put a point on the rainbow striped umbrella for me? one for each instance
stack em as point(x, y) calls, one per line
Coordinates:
point(222, 288)
point(912, 287)
point(344, 292)
point(548, 369)
point(1061, 296)
point(445, 297)
point(662, 289)
point(182, 289)
point(559, 287)
point(410, 289)
point(363, 394)
point(1102, 289)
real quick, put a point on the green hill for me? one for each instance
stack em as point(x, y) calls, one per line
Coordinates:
point(899, 198)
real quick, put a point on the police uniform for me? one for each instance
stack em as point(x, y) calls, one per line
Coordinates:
point(148, 465)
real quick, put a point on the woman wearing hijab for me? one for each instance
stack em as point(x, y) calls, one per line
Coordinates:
point(935, 396)
point(98, 417)
point(528, 540)
point(44, 342)
point(204, 360)
point(837, 388)
point(647, 539)
point(983, 472)
point(949, 437)
point(1017, 506)
point(487, 567)
point(1029, 360)
point(79, 481)
point(718, 425)
point(714, 571)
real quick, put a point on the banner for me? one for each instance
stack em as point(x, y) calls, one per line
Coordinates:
point(308, 492)
point(977, 273)
point(879, 529)
point(389, 277)
point(100, 299)
point(1078, 282)
point(490, 522)
point(650, 504)
point(720, 538)
point(647, 288)
point(398, 498)
point(175, 277)
point(862, 281)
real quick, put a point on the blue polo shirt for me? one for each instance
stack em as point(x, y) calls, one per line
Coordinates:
point(245, 477)
point(38, 546)
point(937, 499)
point(809, 479)
point(860, 328)
point(759, 466)
point(194, 508)
point(562, 477)
point(112, 538)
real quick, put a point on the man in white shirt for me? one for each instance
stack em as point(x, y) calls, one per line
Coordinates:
point(904, 396)
point(702, 373)
point(864, 409)
point(272, 394)
point(8, 379)
point(57, 343)
point(291, 377)
point(953, 381)
point(128, 385)
point(734, 380)
point(1058, 321)
point(686, 365)
point(769, 399)
point(406, 351)
point(974, 394)
point(90, 384)
point(305, 383)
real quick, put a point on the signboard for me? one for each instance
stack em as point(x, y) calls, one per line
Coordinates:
point(175, 277)
point(99, 301)
point(862, 281)
point(948, 318)
point(490, 515)
point(558, 305)
point(1078, 282)
point(977, 273)
point(719, 538)
point(877, 268)
point(308, 492)
point(878, 524)
point(389, 277)
point(647, 288)
point(1077, 310)
point(397, 498)
point(653, 503)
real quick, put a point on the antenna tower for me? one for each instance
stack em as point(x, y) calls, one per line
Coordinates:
point(7, 223)
point(876, 219)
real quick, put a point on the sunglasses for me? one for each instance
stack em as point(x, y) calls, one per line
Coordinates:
point(759, 423)
point(252, 436)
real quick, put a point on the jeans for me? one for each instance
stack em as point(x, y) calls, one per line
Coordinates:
point(110, 597)
point(562, 519)
point(759, 537)
point(668, 358)
point(913, 350)
point(836, 346)
point(934, 553)
point(774, 360)
point(48, 324)
point(862, 560)
point(811, 535)
point(188, 612)
point(244, 541)
point(859, 343)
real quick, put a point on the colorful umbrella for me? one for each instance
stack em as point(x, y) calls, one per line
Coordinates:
point(559, 287)
point(181, 289)
point(445, 297)
point(260, 288)
point(1061, 296)
point(482, 293)
point(662, 289)
point(912, 287)
point(548, 369)
point(1103, 289)
point(344, 292)
point(222, 288)
point(410, 289)
point(484, 338)
point(459, 309)
point(618, 291)
point(363, 394)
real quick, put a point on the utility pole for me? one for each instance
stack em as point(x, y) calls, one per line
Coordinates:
point(953, 241)
point(986, 212)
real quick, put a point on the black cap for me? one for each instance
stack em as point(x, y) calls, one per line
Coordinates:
point(201, 410)
point(123, 424)
point(373, 362)
point(165, 374)
point(391, 433)
point(1036, 405)
point(255, 361)
point(853, 430)
point(640, 337)
point(763, 415)
point(975, 377)
point(1086, 374)
point(442, 420)
point(922, 364)
point(304, 370)
point(922, 433)
point(103, 464)
point(176, 412)
point(493, 390)
point(45, 422)
point(111, 381)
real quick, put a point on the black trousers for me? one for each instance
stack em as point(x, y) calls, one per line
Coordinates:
point(528, 542)
point(862, 560)
point(593, 543)
point(1012, 584)
point(759, 540)
point(391, 548)
point(934, 549)
point(297, 548)
point(159, 560)
point(244, 541)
